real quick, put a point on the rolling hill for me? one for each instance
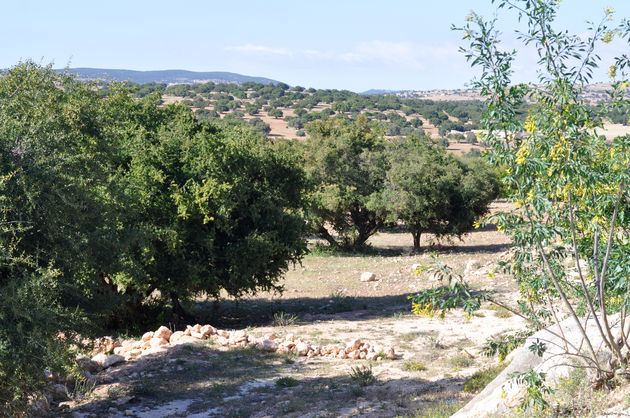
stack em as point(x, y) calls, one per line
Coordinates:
point(164, 76)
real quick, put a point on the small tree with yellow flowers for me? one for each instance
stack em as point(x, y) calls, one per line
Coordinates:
point(570, 225)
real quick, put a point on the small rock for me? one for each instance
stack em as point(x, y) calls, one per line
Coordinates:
point(208, 330)
point(268, 345)
point(158, 342)
point(147, 336)
point(66, 404)
point(353, 345)
point(163, 333)
point(367, 276)
point(153, 350)
point(123, 350)
point(135, 352)
point(88, 365)
point(175, 336)
point(185, 339)
point(390, 353)
point(107, 361)
point(302, 348)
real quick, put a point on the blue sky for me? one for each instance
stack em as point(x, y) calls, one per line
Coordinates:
point(355, 45)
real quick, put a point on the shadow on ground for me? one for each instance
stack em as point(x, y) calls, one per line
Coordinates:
point(263, 311)
point(200, 380)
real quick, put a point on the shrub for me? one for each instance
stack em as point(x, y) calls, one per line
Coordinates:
point(569, 185)
point(414, 366)
point(362, 375)
point(286, 382)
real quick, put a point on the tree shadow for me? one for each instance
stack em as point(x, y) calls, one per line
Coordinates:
point(477, 248)
point(302, 310)
point(202, 379)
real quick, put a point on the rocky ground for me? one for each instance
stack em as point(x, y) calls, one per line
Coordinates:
point(331, 345)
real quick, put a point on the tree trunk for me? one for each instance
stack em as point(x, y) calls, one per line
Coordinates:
point(179, 313)
point(416, 240)
point(326, 235)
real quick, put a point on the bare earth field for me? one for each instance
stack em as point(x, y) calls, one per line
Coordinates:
point(613, 130)
point(324, 303)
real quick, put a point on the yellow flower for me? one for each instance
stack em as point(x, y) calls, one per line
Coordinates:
point(522, 154)
point(530, 196)
point(608, 37)
point(612, 71)
point(530, 125)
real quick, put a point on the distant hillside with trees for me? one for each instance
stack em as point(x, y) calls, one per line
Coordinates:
point(163, 76)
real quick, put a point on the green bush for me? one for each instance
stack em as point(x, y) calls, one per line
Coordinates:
point(106, 198)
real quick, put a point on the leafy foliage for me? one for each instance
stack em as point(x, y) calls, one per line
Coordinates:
point(455, 294)
point(534, 382)
point(569, 185)
point(106, 199)
point(431, 191)
point(502, 345)
point(346, 164)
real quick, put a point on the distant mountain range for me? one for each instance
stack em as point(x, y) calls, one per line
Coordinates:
point(164, 76)
point(378, 92)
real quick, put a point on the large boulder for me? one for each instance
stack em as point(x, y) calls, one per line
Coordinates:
point(502, 394)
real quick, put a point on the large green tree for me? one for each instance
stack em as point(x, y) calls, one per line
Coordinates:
point(346, 163)
point(431, 191)
point(106, 199)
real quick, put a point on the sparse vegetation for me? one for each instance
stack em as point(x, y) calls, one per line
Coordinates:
point(414, 366)
point(461, 360)
point(287, 382)
point(443, 409)
point(362, 375)
point(481, 378)
point(283, 319)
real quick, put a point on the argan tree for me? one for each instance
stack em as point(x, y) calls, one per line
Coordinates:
point(429, 190)
point(347, 165)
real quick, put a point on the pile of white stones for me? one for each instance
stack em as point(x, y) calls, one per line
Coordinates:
point(112, 351)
